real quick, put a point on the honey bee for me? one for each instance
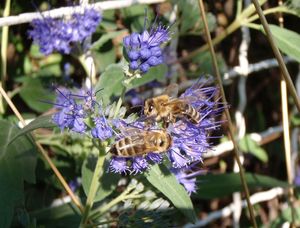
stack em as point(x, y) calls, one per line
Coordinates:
point(167, 109)
point(141, 142)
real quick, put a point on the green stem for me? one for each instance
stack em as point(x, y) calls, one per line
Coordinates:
point(278, 9)
point(114, 202)
point(239, 6)
point(253, 26)
point(4, 42)
point(94, 185)
point(236, 24)
point(126, 84)
point(120, 101)
point(89, 70)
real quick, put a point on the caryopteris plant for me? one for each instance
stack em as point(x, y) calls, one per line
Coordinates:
point(122, 104)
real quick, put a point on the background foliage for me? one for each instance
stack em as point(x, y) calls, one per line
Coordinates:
point(30, 193)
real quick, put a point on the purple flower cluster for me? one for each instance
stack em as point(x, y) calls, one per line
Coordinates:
point(187, 178)
point(144, 50)
point(189, 140)
point(75, 108)
point(58, 35)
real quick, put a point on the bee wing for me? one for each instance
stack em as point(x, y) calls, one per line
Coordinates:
point(132, 131)
point(172, 90)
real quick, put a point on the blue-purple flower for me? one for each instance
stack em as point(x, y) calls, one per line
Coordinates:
point(73, 109)
point(58, 35)
point(189, 140)
point(71, 114)
point(101, 130)
point(187, 178)
point(144, 50)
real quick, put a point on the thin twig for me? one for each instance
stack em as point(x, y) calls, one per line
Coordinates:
point(43, 152)
point(286, 132)
point(277, 54)
point(67, 11)
point(227, 211)
point(239, 114)
point(230, 125)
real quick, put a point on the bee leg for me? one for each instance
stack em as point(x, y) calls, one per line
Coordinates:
point(165, 124)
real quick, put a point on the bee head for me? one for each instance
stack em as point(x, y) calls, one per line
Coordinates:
point(149, 108)
point(165, 141)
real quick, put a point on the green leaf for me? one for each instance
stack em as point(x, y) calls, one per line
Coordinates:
point(295, 119)
point(135, 16)
point(39, 122)
point(111, 83)
point(204, 63)
point(286, 216)
point(157, 73)
point(286, 40)
point(65, 215)
point(249, 145)
point(106, 37)
point(33, 93)
point(220, 185)
point(162, 179)
point(17, 164)
point(190, 20)
point(105, 56)
point(108, 180)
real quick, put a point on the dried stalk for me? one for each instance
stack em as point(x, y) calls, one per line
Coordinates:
point(230, 125)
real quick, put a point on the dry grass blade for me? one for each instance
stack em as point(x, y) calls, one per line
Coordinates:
point(236, 152)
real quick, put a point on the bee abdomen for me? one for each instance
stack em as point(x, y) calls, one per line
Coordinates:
point(193, 114)
point(124, 148)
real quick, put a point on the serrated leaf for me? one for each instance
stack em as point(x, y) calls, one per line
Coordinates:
point(39, 122)
point(17, 164)
point(286, 40)
point(162, 179)
point(220, 185)
point(111, 83)
point(108, 181)
point(247, 144)
point(155, 73)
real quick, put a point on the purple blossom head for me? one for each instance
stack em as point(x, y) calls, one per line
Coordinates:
point(71, 114)
point(144, 50)
point(190, 139)
point(101, 130)
point(58, 35)
point(187, 178)
point(73, 109)
point(139, 164)
point(118, 165)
